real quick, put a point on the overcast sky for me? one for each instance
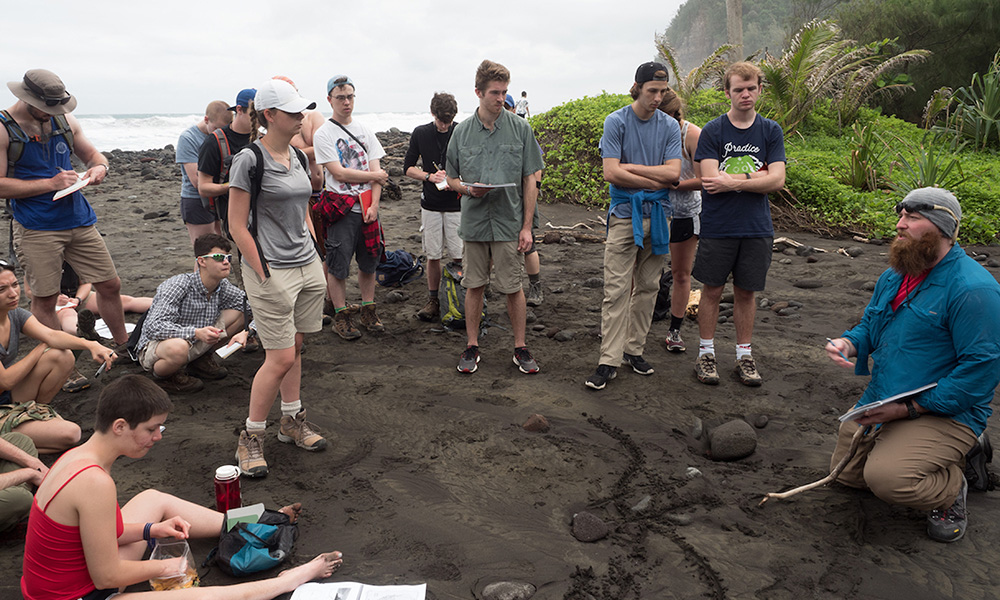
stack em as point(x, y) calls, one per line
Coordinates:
point(176, 56)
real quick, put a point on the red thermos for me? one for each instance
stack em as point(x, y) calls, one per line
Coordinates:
point(227, 488)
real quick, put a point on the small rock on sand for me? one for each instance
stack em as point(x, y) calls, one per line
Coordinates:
point(588, 527)
point(508, 590)
point(564, 335)
point(394, 296)
point(808, 284)
point(732, 441)
point(536, 423)
point(594, 282)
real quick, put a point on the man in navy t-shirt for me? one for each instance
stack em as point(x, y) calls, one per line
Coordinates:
point(742, 158)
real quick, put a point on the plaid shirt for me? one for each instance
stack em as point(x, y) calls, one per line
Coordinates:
point(332, 207)
point(182, 304)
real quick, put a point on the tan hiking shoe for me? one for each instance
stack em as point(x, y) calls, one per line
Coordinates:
point(370, 320)
point(747, 370)
point(301, 432)
point(431, 311)
point(344, 327)
point(76, 382)
point(250, 455)
point(706, 370)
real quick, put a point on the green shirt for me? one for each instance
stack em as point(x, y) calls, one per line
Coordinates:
point(507, 154)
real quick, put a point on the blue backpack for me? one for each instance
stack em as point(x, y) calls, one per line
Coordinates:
point(254, 547)
point(398, 269)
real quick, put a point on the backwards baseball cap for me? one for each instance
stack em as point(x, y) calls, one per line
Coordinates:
point(282, 96)
point(651, 71)
point(45, 91)
point(243, 98)
point(937, 205)
point(509, 101)
point(337, 81)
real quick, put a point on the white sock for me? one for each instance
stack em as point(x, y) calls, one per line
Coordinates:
point(706, 346)
point(742, 350)
point(290, 409)
point(257, 427)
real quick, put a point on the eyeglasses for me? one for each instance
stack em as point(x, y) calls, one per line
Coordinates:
point(912, 206)
point(40, 93)
point(218, 257)
point(342, 97)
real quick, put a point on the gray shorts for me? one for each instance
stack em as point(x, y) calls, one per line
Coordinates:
point(748, 259)
point(193, 212)
point(344, 241)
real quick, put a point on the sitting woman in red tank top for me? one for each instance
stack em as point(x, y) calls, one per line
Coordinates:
point(80, 544)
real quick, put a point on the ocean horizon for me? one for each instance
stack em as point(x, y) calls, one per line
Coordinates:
point(138, 132)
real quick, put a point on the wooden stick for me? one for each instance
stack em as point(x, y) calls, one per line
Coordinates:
point(855, 441)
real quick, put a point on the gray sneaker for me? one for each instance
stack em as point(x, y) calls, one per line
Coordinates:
point(674, 342)
point(949, 525)
point(705, 369)
point(250, 455)
point(747, 370)
point(535, 296)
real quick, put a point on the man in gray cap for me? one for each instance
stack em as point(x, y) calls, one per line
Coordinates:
point(932, 332)
point(36, 141)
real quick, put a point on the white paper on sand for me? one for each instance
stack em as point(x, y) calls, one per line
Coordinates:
point(102, 328)
point(225, 351)
point(352, 590)
point(856, 412)
point(488, 186)
point(76, 186)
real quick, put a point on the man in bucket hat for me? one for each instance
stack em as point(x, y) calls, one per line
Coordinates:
point(35, 146)
point(932, 321)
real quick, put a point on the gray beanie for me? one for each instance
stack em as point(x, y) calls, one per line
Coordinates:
point(937, 205)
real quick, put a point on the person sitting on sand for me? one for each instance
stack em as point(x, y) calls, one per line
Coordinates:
point(80, 544)
point(20, 471)
point(191, 315)
point(27, 386)
point(932, 319)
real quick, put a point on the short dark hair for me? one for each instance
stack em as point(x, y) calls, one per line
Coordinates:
point(204, 244)
point(489, 71)
point(444, 107)
point(131, 397)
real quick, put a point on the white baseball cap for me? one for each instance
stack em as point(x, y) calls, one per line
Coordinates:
point(281, 95)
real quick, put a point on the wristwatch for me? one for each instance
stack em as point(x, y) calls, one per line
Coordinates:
point(912, 412)
point(427, 176)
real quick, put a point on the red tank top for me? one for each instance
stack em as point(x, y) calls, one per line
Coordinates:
point(54, 565)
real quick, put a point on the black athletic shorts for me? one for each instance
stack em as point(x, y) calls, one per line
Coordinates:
point(748, 259)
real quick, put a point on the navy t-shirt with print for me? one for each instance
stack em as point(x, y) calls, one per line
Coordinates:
point(739, 214)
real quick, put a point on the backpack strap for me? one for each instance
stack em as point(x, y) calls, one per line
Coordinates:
point(256, 181)
point(305, 167)
point(16, 139)
point(225, 154)
point(353, 137)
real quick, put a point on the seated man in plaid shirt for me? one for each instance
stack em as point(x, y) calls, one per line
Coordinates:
point(192, 314)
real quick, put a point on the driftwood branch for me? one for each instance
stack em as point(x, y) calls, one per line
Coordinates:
point(551, 226)
point(829, 478)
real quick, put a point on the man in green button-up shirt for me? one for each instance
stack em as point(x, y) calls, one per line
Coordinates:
point(494, 148)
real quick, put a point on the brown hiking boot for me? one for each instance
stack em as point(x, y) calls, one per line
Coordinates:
point(179, 383)
point(343, 326)
point(431, 311)
point(370, 320)
point(85, 326)
point(206, 367)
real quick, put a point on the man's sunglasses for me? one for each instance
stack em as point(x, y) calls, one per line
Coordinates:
point(912, 206)
point(40, 93)
point(218, 257)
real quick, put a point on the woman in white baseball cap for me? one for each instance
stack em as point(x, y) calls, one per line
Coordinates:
point(282, 271)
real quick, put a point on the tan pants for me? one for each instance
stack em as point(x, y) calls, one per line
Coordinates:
point(914, 463)
point(631, 281)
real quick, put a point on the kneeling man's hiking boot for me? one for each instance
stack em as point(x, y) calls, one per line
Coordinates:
point(179, 383)
point(343, 326)
point(948, 525)
point(206, 367)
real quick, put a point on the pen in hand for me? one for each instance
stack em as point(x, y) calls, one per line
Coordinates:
point(829, 341)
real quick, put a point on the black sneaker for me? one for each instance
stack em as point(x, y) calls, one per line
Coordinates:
point(469, 361)
point(976, 471)
point(948, 525)
point(601, 376)
point(524, 361)
point(639, 364)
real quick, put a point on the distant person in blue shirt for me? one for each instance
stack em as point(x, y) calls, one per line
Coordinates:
point(742, 158)
point(932, 319)
point(198, 219)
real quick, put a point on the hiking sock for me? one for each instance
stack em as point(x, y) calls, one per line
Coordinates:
point(290, 409)
point(706, 346)
point(433, 293)
point(363, 303)
point(742, 350)
point(337, 310)
point(676, 322)
point(533, 278)
point(256, 427)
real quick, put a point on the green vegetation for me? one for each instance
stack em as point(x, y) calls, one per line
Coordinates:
point(819, 157)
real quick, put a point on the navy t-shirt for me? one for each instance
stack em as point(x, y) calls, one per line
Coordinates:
point(739, 214)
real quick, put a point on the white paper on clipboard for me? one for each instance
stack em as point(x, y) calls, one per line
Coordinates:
point(76, 186)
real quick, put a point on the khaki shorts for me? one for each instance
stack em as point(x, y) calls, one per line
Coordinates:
point(507, 262)
point(42, 253)
point(440, 229)
point(290, 301)
point(148, 357)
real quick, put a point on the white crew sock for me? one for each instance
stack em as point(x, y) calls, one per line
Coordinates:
point(742, 350)
point(256, 427)
point(290, 409)
point(706, 346)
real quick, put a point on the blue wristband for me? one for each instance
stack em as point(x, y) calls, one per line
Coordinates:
point(145, 535)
